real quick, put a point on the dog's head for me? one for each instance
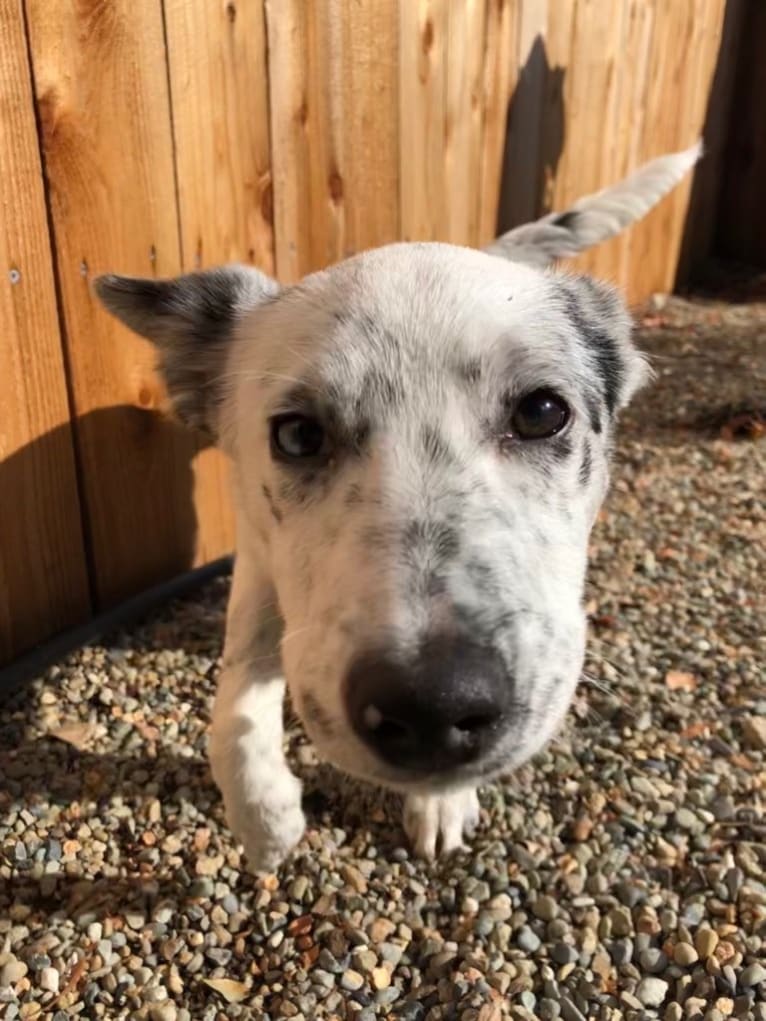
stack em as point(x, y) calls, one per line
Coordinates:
point(420, 438)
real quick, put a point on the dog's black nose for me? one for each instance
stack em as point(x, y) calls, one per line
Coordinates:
point(444, 709)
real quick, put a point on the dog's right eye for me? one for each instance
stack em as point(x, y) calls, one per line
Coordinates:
point(295, 437)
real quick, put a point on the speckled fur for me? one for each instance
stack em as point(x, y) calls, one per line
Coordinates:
point(424, 521)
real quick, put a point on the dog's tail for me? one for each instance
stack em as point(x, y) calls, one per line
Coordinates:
point(595, 217)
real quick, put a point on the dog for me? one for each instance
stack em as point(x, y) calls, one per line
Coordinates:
point(420, 441)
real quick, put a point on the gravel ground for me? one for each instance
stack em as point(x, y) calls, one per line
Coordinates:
point(619, 875)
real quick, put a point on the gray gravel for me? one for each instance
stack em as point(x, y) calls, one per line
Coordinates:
point(619, 875)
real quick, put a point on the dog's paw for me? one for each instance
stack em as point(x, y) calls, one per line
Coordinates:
point(438, 822)
point(269, 826)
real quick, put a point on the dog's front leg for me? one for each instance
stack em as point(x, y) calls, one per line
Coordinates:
point(440, 821)
point(261, 796)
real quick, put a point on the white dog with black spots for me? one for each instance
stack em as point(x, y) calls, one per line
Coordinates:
point(420, 439)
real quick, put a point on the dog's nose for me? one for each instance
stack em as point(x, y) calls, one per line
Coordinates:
point(443, 710)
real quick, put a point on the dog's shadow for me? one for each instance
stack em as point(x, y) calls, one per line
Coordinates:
point(49, 771)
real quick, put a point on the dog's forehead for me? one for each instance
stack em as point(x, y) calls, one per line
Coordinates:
point(436, 300)
point(411, 315)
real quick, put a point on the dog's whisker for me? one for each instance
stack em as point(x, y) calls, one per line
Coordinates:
point(298, 631)
point(603, 687)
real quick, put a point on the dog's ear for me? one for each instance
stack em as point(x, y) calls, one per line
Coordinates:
point(599, 316)
point(191, 321)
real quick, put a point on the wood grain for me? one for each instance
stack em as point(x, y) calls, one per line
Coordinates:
point(655, 241)
point(219, 90)
point(217, 62)
point(101, 84)
point(521, 195)
point(43, 579)
point(464, 121)
point(334, 124)
point(423, 49)
point(501, 73)
point(291, 134)
point(596, 63)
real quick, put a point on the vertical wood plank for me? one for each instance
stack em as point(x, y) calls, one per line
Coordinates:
point(638, 28)
point(43, 582)
point(593, 101)
point(676, 56)
point(219, 91)
point(521, 192)
point(595, 62)
point(370, 123)
point(464, 122)
point(101, 85)
point(500, 79)
point(217, 62)
point(334, 123)
point(423, 42)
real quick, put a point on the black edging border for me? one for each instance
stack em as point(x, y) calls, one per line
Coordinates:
point(32, 664)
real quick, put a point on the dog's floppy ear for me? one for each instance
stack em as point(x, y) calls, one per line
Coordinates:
point(191, 321)
point(599, 316)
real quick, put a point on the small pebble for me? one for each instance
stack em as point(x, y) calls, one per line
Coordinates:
point(617, 876)
point(527, 940)
point(651, 991)
point(684, 954)
point(752, 975)
point(49, 980)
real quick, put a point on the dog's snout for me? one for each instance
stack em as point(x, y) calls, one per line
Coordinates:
point(440, 711)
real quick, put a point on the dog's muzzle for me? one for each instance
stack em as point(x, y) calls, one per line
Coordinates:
point(442, 710)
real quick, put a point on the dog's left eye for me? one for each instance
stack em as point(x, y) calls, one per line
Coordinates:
point(538, 415)
point(294, 437)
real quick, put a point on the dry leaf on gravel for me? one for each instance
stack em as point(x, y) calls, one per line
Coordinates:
point(231, 991)
point(678, 680)
point(79, 735)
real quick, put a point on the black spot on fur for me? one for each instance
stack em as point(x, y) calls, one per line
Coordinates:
point(567, 220)
point(303, 486)
point(593, 414)
point(368, 326)
point(435, 584)
point(276, 513)
point(586, 465)
point(605, 351)
point(438, 537)
point(483, 578)
point(434, 444)
point(471, 371)
point(560, 447)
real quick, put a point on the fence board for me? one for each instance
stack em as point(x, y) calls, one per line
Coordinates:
point(520, 196)
point(423, 40)
point(500, 79)
point(101, 85)
point(217, 65)
point(334, 123)
point(595, 59)
point(43, 582)
point(655, 242)
point(182, 133)
point(219, 88)
point(464, 122)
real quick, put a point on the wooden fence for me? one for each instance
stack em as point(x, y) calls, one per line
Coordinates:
point(151, 136)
